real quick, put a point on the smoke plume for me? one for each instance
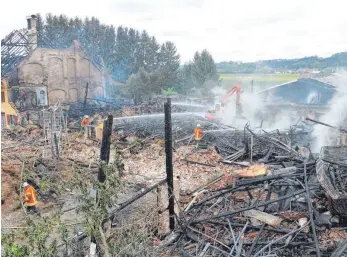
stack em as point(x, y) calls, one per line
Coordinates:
point(336, 116)
point(254, 111)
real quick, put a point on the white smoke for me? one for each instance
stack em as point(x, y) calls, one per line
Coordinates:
point(336, 116)
point(312, 97)
point(254, 112)
point(218, 93)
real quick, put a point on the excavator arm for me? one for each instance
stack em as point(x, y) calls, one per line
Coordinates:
point(230, 92)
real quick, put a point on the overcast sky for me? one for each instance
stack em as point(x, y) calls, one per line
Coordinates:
point(243, 30)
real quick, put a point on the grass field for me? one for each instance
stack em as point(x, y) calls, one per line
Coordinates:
point(260, 81)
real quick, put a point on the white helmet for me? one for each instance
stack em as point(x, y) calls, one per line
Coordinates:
point(198, 125)
point(25, 184)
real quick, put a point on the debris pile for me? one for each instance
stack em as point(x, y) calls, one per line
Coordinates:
point(332, 174)
point(280, 211)
point(251, 192)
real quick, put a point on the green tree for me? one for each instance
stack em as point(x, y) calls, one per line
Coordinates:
point(204, 68)
point(40, 32)
point(169, 63)
point(142, 85)
point(96, 209)
point(185, 79)
point(133, 42)
point(150, 51)
point(204, 72)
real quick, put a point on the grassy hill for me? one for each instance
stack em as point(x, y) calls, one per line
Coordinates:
point(268, 66)
point(260, 81)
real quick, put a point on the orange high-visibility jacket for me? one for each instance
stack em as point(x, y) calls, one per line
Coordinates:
point(198, 133)
point(30, 196)
point(84, 122)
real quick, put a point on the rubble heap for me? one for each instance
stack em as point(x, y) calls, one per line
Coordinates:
point(264, 214)
point(247, 192)
point(268, 200)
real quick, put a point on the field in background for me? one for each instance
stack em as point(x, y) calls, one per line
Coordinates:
point(260, 81)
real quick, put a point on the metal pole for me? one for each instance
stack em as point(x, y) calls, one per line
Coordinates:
point(169, 166)
point(251, 158)
point(51, 132)
point(56, 145)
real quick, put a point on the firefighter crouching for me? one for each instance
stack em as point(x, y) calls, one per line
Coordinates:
point(30, 198)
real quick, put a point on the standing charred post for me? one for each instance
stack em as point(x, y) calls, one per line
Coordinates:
point(85, 98)
point(169, 166)
point(104, 153)
point(105, 146)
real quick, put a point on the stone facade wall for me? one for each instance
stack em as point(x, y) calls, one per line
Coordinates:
point(65, 73)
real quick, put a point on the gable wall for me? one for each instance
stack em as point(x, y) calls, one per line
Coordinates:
point(64, 72)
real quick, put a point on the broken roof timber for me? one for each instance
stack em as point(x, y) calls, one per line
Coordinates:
point(14, 47)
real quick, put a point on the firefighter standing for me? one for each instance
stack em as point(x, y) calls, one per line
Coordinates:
point(30, 198)
point(198, 133)
point(85, 122)
point(198, 137)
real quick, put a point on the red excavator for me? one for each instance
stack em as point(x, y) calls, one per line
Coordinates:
point(217, 113)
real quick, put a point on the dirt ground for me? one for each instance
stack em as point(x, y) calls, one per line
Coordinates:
point(144, 167)
point(149, 165)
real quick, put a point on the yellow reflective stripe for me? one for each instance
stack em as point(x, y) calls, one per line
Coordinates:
point(30, 195)
point(33, 194)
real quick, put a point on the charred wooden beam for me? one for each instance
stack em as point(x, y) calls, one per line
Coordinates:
point(342, 249)
point(310, 210)
point(325, 124)
point(246, 182)
point(138, 196)
point(230, 213)
point(199, 163)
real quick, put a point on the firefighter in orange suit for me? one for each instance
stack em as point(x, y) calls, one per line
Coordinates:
point(30, 198)
point(198, 133)
point(85, 122)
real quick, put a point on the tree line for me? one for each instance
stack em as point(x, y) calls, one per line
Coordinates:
point(313, 62)
point(130, 56)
